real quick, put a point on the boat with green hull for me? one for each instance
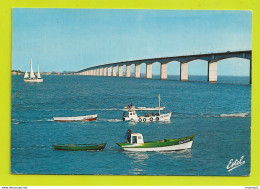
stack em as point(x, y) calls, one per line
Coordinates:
point(137, 144)
point(79, 147)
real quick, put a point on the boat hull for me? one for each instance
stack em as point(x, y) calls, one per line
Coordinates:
point(33, 80)
point(79, 118)
point(166, 148)
point(162, 117)
point(164, 145)
point(79, 147)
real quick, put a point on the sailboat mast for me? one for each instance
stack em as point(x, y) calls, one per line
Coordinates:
point(159, 104)
point(39, 75)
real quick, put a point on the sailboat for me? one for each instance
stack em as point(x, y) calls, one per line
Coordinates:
point(132, 115)
point(32, 78)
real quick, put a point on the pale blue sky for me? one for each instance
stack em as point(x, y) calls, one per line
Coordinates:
point(73, 39)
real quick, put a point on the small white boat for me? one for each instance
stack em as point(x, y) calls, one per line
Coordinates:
point(32, 78)
point(132, 115)
point(78, 118)
point(235, 115)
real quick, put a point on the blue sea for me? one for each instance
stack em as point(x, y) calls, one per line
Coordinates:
point(196, 106)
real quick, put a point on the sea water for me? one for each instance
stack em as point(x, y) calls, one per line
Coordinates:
point(195, 105)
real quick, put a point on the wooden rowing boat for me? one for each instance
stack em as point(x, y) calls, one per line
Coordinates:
point(78, 118)
point(79, 147)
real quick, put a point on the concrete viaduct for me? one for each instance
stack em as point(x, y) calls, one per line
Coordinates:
point(211, 58)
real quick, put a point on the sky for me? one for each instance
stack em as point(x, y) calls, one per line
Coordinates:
point(74, 39)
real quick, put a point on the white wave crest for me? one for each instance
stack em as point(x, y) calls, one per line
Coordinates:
point(42, 120)
point(108, 109)
point(109, 120)
point(114, 120)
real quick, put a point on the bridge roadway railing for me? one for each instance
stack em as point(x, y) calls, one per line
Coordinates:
point(212, 59)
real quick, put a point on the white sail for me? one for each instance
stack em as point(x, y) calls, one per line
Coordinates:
point(39, 75)
point(32, 76)
point(26, 75)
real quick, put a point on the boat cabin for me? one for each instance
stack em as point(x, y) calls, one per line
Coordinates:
point(137, 138)
point(132, 114)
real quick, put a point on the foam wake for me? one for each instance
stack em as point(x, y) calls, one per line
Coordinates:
point(108, 120)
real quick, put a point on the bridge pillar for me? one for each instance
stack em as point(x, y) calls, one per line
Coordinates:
point(128, 70)
point(114, 71)
point(137, 70)
point(212, 71)
point(120, 70)
point(149, 73)
point(98, 71)
point(109, 71)
point(101, 72)
point(105, 72)
point(184, 71)
point(94, 72)
point(163, 71)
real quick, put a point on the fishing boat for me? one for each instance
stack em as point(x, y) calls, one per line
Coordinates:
point(132, 115)
point(78, 118)
point(79, 147)
point(137, 144)
point(235, 115)
point(31, 78)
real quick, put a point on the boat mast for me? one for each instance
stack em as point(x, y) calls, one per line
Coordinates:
point(159, 104)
